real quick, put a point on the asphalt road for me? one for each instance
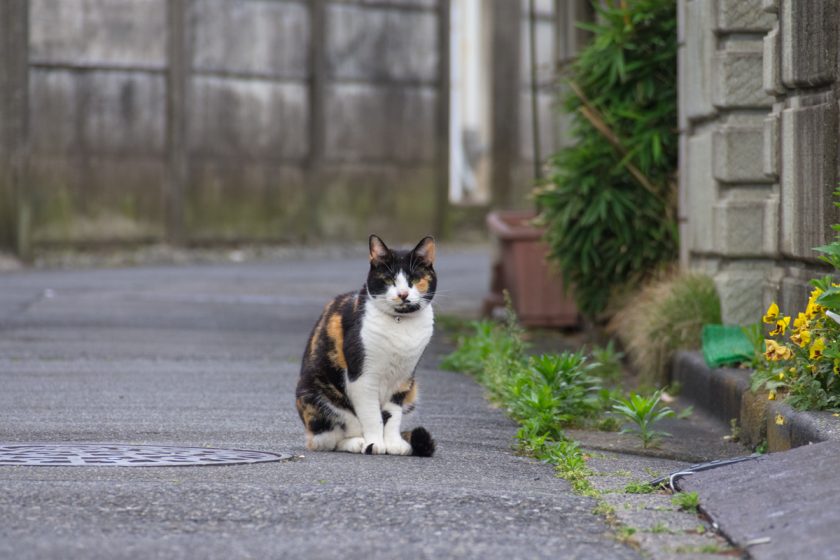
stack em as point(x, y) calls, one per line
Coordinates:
point(209, 355)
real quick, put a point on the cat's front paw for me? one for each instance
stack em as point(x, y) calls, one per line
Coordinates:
point(397, 447)
point(352, 445)
point(374, 446)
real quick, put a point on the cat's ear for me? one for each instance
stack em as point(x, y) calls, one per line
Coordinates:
point(426, 250)
point(378, 249)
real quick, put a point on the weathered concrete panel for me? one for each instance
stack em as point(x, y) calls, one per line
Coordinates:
point(809, 41)
point(373, 123)
point(227, 201)
point(401, 3)
point(745, 227)
point(770, 6)
point(702, 192)
point(548, 122)
point(542, 8)
point(397, 202)
point(773, 63)
point(247, 118)
point(740, 300)
point(796, 287)
point(258, 37)
point(742, 15)
point(771, 225)
point(89, 32)
point(380, 44)
point(770, 163)
point(696, 59)
point(738, 154)
point(739, 81)
point(96, 199)
point(97, 112)
point(809, 176)
point(546, 52)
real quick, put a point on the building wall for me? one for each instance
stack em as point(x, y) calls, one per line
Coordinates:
point(204, 121)
point(223, 120)
point(758, 152)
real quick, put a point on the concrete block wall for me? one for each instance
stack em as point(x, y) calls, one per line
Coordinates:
point(759, 150)
point(222, 120)
point(806, 83)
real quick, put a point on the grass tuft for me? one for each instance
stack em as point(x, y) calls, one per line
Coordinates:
point(664, 316)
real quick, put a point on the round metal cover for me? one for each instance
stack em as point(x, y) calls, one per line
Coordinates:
point(126, 455)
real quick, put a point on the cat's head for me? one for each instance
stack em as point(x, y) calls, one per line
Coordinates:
point(401, 282)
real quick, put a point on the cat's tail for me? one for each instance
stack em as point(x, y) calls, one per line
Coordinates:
point(422, 444)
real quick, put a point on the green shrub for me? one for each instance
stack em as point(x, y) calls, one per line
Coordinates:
point(609, 203)
point(665, 316)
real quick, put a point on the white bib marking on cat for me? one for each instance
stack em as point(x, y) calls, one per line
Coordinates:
point(393, 346)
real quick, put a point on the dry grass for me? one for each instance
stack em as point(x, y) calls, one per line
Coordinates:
point(664, 316)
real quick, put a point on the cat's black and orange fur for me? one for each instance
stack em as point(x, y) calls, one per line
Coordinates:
point(335, 353)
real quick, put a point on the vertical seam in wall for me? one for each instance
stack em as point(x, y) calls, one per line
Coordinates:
point(441, 226)
point(313, 170)
point(177, 80)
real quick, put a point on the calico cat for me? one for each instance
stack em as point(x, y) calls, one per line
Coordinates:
point(357, 376)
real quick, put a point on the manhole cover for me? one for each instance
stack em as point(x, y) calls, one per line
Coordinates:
point(123, 455)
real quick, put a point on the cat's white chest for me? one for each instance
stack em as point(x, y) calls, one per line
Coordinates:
point(392, 347)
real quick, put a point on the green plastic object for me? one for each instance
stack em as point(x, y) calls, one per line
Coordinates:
point(725, 344)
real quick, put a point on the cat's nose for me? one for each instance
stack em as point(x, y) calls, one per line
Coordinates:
point(403, 294)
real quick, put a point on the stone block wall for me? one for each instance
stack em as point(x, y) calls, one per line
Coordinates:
point(758, 151)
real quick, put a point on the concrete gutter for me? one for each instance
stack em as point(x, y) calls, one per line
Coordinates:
point(725, 393)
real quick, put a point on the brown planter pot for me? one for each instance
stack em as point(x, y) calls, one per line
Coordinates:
point(536, 291)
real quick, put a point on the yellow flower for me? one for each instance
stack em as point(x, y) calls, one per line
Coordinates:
point(802, 338)
point(836, 368)
point(811, 312)
point(776, 351)
point(771, 396)
point(772, 314)
point(817, 349)
point(800, 321)
point(781, 326)
point(780, 420)
point(781, 375)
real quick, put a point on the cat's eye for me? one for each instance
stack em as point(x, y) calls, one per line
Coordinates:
point(389, 281)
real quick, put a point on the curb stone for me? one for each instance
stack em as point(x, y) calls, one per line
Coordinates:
point(725, 393)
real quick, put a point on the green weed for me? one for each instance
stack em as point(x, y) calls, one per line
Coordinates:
point(686, 501)
point(660, 528)
point(734, 430)
point(639, 488)
point(685, 413)
point(625, 534)
point(644, 412)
